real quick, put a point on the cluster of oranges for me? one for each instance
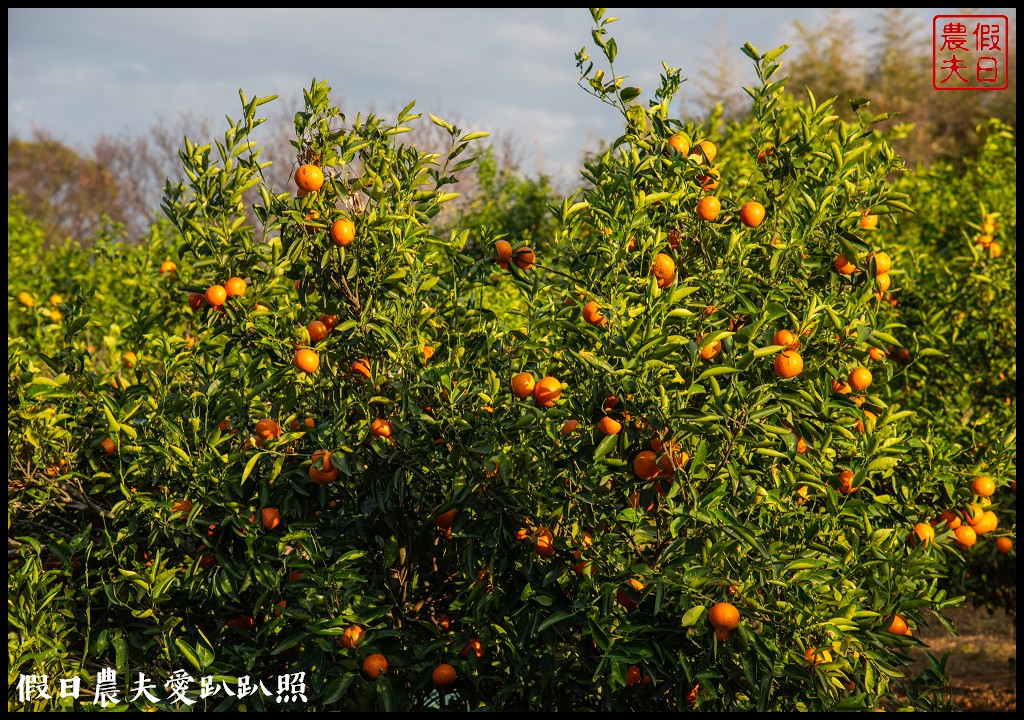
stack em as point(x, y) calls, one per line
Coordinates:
point(985, 240)
point(545, 391)
point(523, 257)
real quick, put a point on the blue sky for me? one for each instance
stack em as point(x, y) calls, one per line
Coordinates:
point(79, 73)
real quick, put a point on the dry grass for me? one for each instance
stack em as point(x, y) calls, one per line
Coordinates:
point(982, 665)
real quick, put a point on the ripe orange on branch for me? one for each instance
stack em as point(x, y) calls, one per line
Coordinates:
point(788, 364)
point(350, 639)
point(708, 208)
point(844, 266)
point(664, 269)
point(216, 295)
point(309, 177)
point(524, 258)
point(983, 486)
point(523, 384)
point(752, 213)
point(680, 144)
point(235, 287)
point(343, 231)
point(328, 473)
point(592, 314)
point(380, 428)
point(860, 378)
point(547, 391)
point(724, 616)
point(443, 675)
point(306, 360)
point(374, 665)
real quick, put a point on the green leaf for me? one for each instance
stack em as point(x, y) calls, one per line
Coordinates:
point(691, 616)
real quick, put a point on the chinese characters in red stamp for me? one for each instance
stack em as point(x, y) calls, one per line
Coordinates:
point(970, 52)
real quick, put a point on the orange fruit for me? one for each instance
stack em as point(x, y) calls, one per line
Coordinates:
point(898, 625)
point(876, 354)
point(168, 266)
point(317, 331)
point(707, 149)
point(995, 249)
point(645, 465)
point(608, 426)
point(329, 321)
point(569, 426)
point(632, 675)
point(129, 359)
point(973, 513)
point(309, 178)
point(593, 315)
point(523, 385)
point(860, 378)
point(989, 522)
point(985, 240)
point(473, 646)
point(752, 213)
point(545, 543)
point(374, 665)
point(708, 208)
point(182, 506)
point(328, 473)
point(243, 622)
point(724, 616)
point(380, 428)
point(680, 144)
point(504, 250)
point(267, 429)
point(428, 352)
point(271, 518)
point(923, 532)
point(235, 287)
point(362, 367)
point(983, 486)
point(842, 388)
point(664, 269)
point(846, 481)
point(306, 360)
point(524, 257)
point(711, 350)
point(884, 282)
point(869, 417)
point(950, 518)
point(216, 295)
point(868, 222)
point(844, 266)
point(343, 231)
point(1004, 545)
point(26, 299)
point(547, 391)
point(443, 675)
point(444, 520)
point(883, 264)
point(786, 339)
point(108, 445)
point(709, 180)
point(965, 536)
point(350, 639)
point(788, 364)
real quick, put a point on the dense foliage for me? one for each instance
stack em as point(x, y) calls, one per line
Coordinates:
point(570, 454)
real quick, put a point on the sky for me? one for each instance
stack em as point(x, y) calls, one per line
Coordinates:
point(81, 73)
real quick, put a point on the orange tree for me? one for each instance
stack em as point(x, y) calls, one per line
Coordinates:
point(958, 296)
point(359, 472)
